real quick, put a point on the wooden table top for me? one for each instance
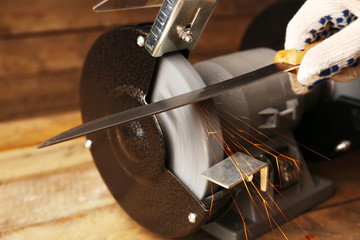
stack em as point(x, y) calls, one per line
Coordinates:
point(57, 193)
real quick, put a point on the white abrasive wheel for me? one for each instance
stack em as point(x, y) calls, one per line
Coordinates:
point(190, 149)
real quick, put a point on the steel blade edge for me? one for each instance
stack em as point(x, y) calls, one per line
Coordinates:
point(171, 103)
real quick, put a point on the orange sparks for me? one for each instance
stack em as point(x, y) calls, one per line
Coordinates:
point(235, 141)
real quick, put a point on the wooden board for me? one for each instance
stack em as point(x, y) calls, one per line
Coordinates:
point(32, 131)
point(58, 191)
point(30, 162)
point(23, 18)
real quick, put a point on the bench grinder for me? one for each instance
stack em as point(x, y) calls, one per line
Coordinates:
point(228, 164)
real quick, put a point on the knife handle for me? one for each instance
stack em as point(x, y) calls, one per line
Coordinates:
point(293, 56)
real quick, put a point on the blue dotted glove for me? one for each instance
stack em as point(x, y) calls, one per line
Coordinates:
point(337, 57)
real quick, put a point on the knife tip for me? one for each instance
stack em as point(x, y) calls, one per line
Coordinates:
point(44, 144)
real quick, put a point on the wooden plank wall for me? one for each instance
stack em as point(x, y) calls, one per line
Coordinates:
point(43, 45)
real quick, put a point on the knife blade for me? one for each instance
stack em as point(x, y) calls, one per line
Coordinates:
point(171, 103)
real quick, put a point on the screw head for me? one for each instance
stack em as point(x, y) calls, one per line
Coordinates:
point(188, 38)
point(88, 144)
point(192, 217)
point(343, 146)
point(186, 35)
point(140, 41)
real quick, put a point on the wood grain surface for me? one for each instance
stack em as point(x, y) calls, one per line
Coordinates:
point(32, 131)
point(57, 191)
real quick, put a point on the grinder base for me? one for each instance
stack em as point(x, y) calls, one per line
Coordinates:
point(308, 192)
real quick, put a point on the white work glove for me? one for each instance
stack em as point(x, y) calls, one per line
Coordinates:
point(339, 54)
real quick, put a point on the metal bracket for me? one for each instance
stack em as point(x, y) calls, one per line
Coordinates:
point(273, 115)
point(178, 25)
point(236, 169)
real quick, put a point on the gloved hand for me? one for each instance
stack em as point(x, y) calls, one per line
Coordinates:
point(337, 57)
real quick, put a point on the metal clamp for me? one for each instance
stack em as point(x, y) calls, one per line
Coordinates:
point(178, 25)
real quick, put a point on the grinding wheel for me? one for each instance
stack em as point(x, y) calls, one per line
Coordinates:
point(191, 150)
